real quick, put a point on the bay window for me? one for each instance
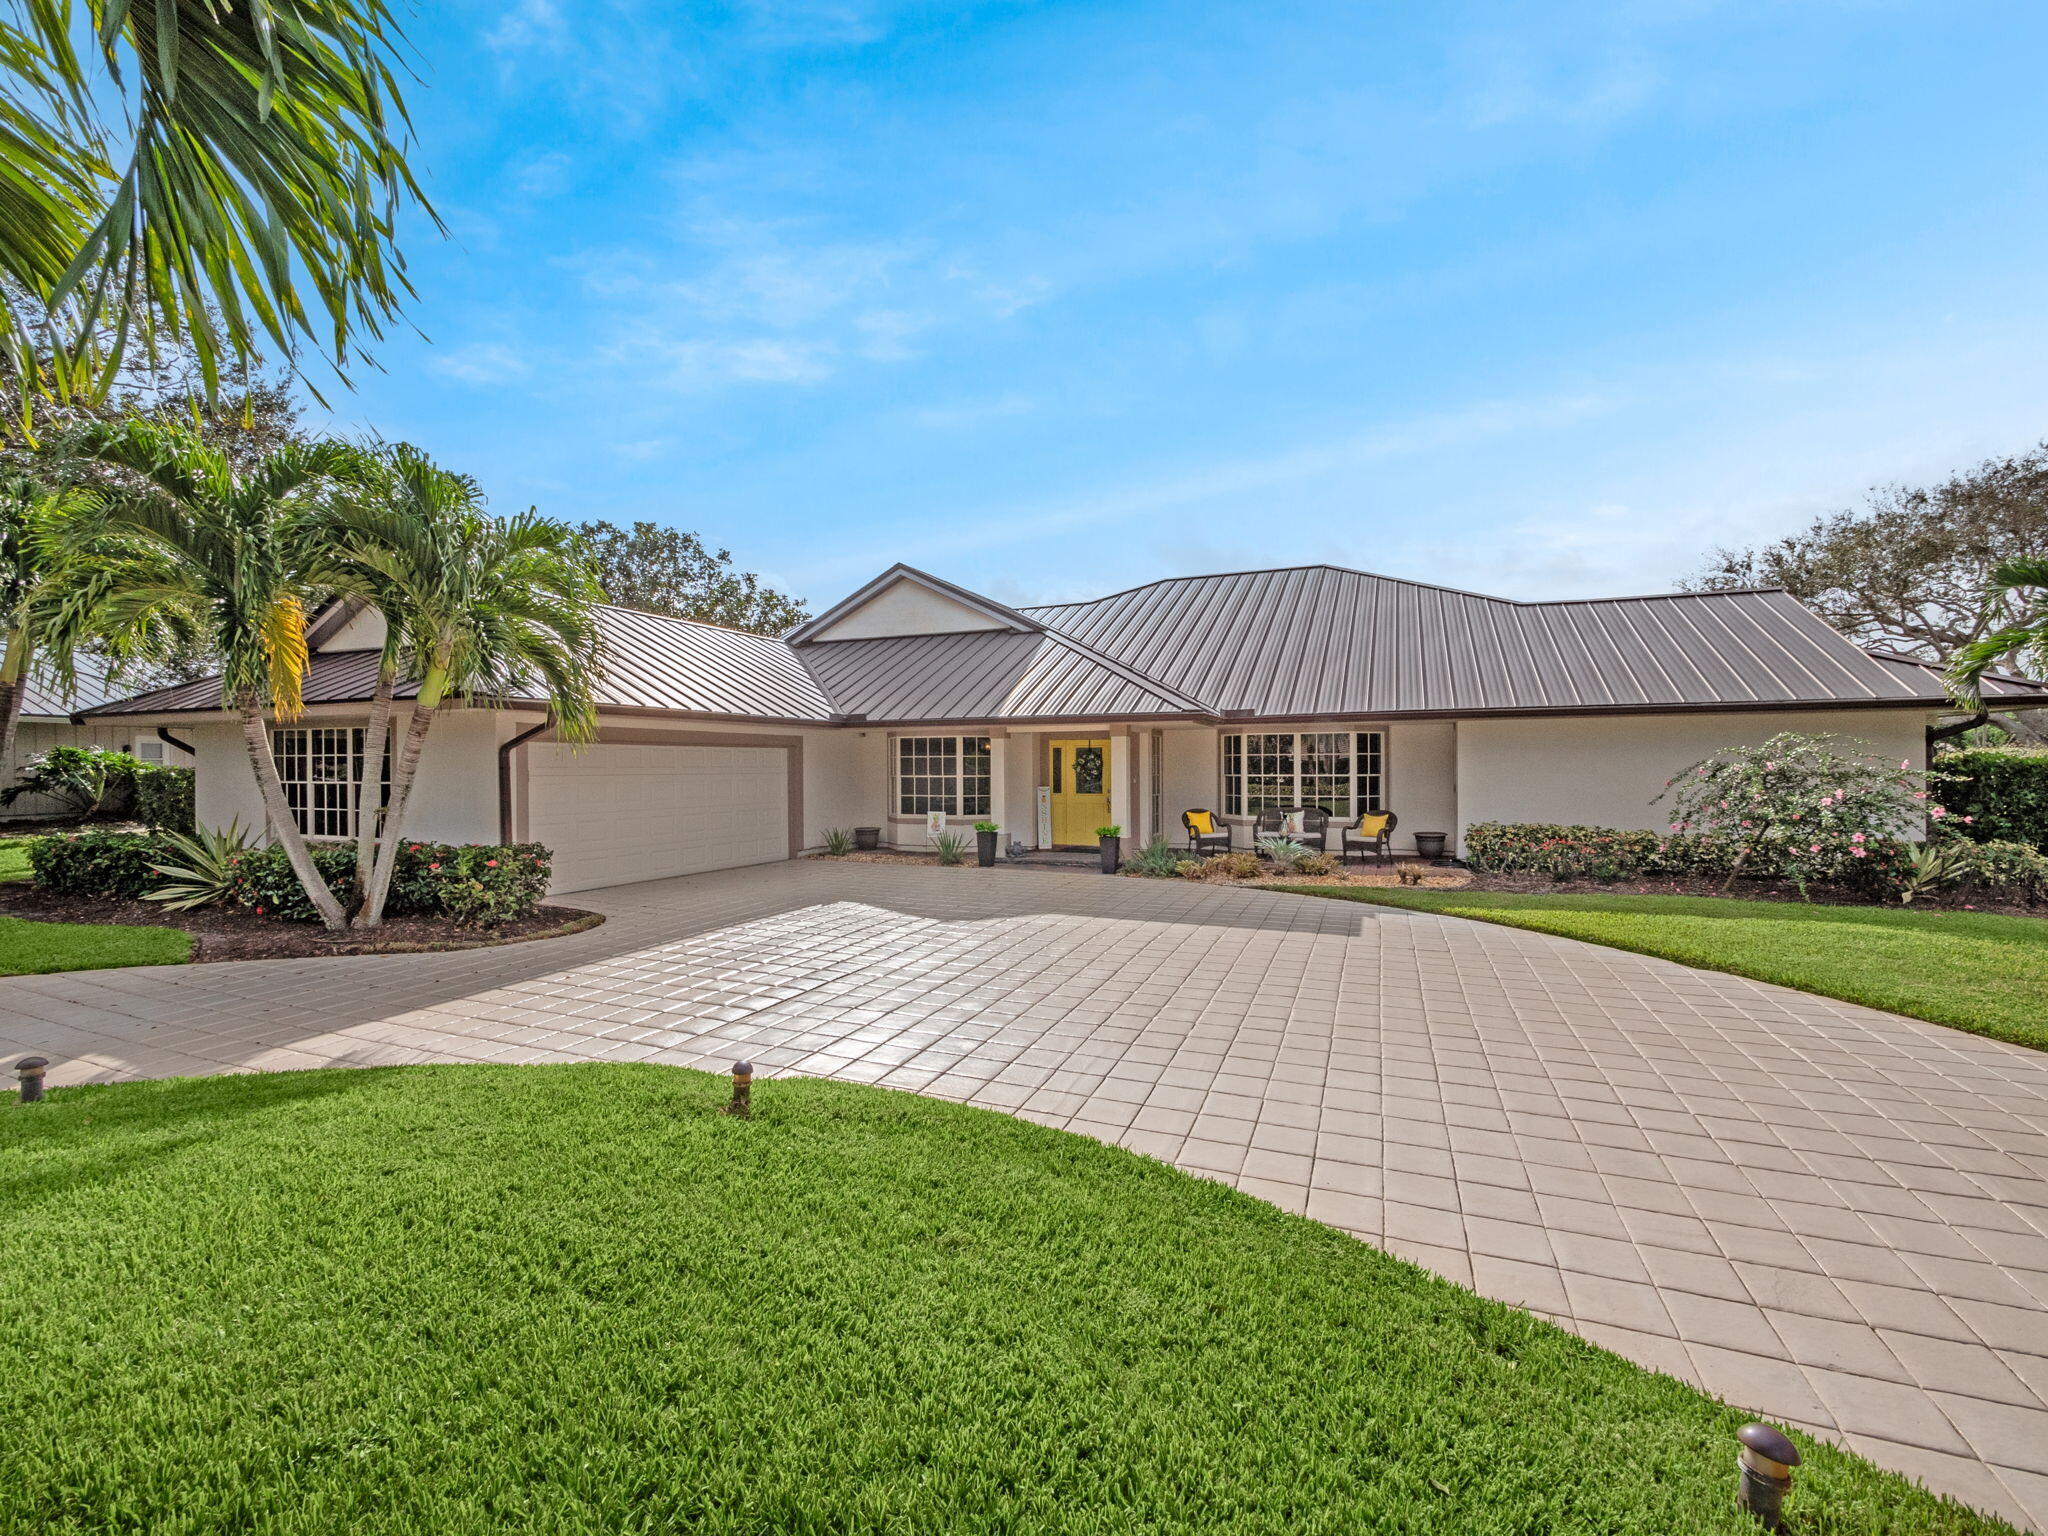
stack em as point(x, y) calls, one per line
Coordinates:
point(321, 767)
point(942, 773)
point(1278, 770)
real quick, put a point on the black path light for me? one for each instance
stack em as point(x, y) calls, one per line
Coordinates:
point(1765, 1476)
point(742, 1090)
point(29, 1070)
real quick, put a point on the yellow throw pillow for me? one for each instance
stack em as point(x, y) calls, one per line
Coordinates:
point(1371, 826)
point(1200, 824)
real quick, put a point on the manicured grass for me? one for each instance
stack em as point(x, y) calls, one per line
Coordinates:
point(29, 949)
point(14, 858)
point(1974, 970)
point(577, 1299)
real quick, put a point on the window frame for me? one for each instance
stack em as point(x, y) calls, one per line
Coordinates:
point(300, 783)
point(1272, 770)
point(957, 776)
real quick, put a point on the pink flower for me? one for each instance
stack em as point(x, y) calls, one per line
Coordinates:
point(1814, 849)
point(433, 866)
point(1855, 837)
point(1937, 812)
point(1968, 819)
point(490, 863)
point(1857, 852)
point(1920, 794)
point(1770, 767)
point(1904, 764)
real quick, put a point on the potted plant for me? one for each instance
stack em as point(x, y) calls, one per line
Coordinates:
point(1112, 841)
point(867, 839)
point(985, 833)
point(1430, 845)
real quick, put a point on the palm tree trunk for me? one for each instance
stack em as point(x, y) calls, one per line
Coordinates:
point(403, 770)
point(282, 826)
point(13, 684)
point(368, 819)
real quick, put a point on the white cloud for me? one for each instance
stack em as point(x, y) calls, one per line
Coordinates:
point(530, 25)
point(482, 362)
point(543, 175)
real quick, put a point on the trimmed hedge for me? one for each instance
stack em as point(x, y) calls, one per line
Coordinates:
point(163, 796)
point(2003, 790)
point(117, 864)
point(475, 884)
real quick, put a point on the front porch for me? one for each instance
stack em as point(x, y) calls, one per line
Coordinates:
point(1050, 787)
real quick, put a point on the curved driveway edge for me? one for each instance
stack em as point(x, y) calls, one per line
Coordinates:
point(1830, 1215)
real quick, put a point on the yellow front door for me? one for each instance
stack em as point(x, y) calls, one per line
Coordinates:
point(1080, 791)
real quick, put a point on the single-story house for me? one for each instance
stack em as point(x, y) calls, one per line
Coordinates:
point(1237, 692)
point(51, 717)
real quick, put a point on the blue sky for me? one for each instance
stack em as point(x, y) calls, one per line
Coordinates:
point(1054, 298)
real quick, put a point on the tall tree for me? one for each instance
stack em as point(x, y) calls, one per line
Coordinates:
point(211, 173)
point(201, 550)
point(475, 606)
point(664, 570)
point(1910, 568)
point(31, 516)
point(2018, 587)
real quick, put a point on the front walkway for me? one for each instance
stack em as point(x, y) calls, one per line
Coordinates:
point(1822, 1213)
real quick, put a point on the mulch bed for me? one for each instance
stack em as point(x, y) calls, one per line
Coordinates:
point(220, 933)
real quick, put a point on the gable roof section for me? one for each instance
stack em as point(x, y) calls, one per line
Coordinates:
point(42, 699)
point(1326, 641)
point(994, 614)
point(994, 675)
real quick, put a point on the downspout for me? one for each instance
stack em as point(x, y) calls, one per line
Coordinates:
point(505, 776)
point(163, 734)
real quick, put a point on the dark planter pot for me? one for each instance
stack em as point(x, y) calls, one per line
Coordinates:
point(1112, 854)
point(867, 839)
point(985, 849)
point(1430, 845)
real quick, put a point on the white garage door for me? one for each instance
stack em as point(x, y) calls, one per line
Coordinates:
point(613, 814)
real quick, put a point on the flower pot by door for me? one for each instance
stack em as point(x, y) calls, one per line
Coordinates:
point(985, 849)
point(1430, 845)
point(1112, 854)
point(867, 839)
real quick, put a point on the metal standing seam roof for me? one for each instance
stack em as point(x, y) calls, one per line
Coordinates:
point(42, 699)
point(1321, 640)
point(1303, 642)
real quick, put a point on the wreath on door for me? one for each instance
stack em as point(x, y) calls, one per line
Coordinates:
point(1087, 770)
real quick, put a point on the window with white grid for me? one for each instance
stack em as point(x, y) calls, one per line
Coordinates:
point(321, 767)
point(1341, 771)
point(942, 773)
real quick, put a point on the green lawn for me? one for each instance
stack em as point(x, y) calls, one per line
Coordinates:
point(14, 858)
point(28, 949)
point(1974, 970)
point(573, 1300)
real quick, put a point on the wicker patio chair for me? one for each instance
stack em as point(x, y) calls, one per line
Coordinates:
point(1215, 840)
point(1378, 845)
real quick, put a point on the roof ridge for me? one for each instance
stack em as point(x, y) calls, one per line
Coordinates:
point(1405, 581)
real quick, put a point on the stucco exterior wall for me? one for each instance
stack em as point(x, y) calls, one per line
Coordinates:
point(33, 737)
point(1605, 770)
point(1421, 778)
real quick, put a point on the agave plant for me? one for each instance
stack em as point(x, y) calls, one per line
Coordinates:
point(1285, 852)
point(951, 846)
point(208, 872)
point(1156, 859)
point(1934, 863)
point(838, 842)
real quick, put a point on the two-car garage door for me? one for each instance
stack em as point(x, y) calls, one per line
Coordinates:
point(616, 813)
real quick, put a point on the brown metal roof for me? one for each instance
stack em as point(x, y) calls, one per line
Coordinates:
point(1310, 641)
point(983, 675)
point(1322, 640)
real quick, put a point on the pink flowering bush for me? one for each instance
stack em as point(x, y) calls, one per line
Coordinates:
point(477, 884)
point(1810, 808)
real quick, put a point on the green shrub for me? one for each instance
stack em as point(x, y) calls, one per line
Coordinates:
point(163, 797)
point(1997, 794)
point(1156, 860)
point(1569, 852)
point(93, 781)
point(121, 865)
point(202, 868)
point(263, 880)
point(1316, 864)
point(479, 885)
point(2008, 871)
point(1224, 866)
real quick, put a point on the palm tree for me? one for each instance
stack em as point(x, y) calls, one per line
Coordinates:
point(2023, 643)
point(475, 607)
point(28, 514)
point(203, 552)
point(200, 172)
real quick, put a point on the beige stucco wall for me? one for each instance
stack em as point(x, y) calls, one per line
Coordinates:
point(1606, 770)
point(1421, 778)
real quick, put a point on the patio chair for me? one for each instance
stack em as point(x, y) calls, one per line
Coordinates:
point(1206, 834)
point(1373, 835)
point(1315, 825)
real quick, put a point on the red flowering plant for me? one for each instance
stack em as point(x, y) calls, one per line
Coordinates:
point(1810, 808)
point(478, 884)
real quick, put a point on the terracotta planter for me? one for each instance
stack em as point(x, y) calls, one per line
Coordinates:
point(1112, 854)
point(985, 849)
point(867, 839)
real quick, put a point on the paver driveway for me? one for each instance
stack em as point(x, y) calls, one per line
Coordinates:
point(1827, 1214)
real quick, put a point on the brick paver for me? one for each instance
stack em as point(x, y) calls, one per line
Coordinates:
point(1829, 1215)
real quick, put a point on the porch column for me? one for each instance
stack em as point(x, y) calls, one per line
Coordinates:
point(1123, 806)
point(998, 780)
